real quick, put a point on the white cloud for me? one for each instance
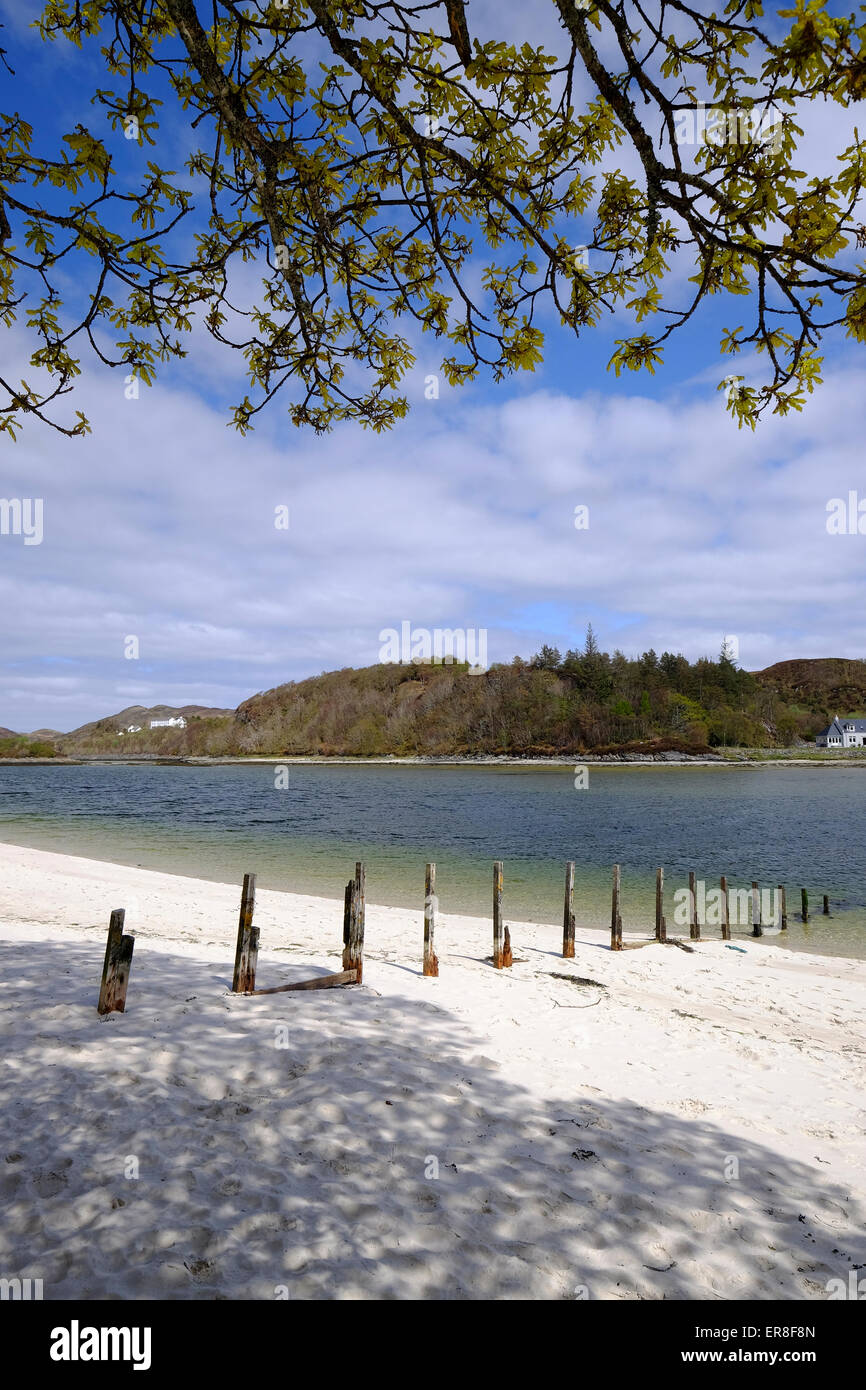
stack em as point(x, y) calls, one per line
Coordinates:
point(161, 525)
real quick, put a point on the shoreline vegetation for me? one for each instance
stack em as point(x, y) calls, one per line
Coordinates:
point(731, 758)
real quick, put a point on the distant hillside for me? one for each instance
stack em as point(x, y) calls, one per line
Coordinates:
point(553, 704)
point(25, 746)
point(825, 686)
point(584, 701)
point(110, 735)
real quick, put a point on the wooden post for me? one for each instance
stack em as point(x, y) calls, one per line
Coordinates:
point(804, 904)
point(726, 910)
point(783, 907)
point(757, 929)
point(115, 932)
point(116, 966)
point(247, 949)
point(568, 913)
point(664, 930)
point(498, 942)
point(122, 969)
point(694, 929)
point(507, 958)
point(661, 935)
point(615, 918)
point(348, 898)
point(353, 955)
point(346, 977)
point(826, 905)
point(361, 895)
point(348, 914)
point(431, 960)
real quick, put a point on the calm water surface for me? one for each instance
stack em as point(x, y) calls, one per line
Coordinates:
point(797, 826)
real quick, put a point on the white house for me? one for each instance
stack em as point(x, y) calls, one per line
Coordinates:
point(843, 733)
point(130, 729)
point(178, 723)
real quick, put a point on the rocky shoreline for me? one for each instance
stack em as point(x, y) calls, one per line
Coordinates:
point(731, 758)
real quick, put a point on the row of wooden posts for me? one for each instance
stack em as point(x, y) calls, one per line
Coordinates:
point(118, 951)
point(694, 924)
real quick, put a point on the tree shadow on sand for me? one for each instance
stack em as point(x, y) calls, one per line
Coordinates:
point(309, 1170)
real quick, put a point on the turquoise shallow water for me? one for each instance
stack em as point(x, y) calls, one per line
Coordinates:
point(797, 826)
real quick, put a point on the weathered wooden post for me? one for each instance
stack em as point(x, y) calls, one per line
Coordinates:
point(568, 913)
point(757, 929)
point(122, 969)
point(694, 929)
point(661, 932)
point(431, 960)
point(247, 949)
point(726, 909)
point(615, 918)
point(804, 904)
point(115, 932)
point(498, 938)
point(348, 900)
point(353, 953)
point(361, 894)
point(783, 907)
point(826, 905)
point(116, 966)
point(348, 913)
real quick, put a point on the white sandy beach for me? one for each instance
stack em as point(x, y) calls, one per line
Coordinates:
point(692, 1131)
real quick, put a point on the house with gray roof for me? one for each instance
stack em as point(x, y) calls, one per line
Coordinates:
point(843, 733)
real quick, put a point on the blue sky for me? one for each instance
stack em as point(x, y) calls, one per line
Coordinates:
point(161, 523)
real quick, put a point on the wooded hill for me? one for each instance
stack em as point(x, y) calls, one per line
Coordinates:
point(587, 701)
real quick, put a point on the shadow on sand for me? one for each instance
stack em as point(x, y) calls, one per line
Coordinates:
point(206, 1146)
